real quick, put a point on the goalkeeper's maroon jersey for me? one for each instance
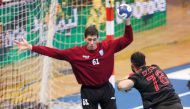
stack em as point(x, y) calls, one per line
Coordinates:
point(91, 68)
point(154, 87)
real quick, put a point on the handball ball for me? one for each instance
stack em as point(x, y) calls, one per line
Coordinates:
point(124, 11)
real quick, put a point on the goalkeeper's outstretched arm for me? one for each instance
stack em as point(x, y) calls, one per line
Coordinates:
point(47, 51)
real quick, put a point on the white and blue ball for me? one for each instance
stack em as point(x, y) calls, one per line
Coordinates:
point(124, 11)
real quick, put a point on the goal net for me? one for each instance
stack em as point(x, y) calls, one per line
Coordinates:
point(31, 81)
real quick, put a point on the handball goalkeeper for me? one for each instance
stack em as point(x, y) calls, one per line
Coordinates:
point(92, 64)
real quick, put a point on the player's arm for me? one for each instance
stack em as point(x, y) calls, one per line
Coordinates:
point(121, 42)
point(128, 34)
point(51, 52)
point(125, 84)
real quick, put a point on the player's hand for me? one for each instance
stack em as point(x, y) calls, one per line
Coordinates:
point(23, 45)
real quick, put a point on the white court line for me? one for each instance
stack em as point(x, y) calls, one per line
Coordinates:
point(184, 94)
point(139, 107)
point(180, 95)
point(180, 75)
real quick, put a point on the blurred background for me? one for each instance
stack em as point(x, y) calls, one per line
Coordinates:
point(161, 31)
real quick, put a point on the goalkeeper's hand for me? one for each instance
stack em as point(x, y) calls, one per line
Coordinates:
point(23, 45)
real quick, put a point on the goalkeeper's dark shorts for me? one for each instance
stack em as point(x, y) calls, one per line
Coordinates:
point(103, 95)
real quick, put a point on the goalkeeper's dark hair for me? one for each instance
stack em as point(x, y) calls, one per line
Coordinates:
point(138, 59)
point(91, 30)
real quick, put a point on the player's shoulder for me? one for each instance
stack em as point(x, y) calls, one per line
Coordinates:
point(133, 75)
point(74, 49)
point(105, 44)
point(155, 66)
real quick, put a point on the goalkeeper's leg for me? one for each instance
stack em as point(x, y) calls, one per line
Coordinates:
point(108, 100)
point(92, 96)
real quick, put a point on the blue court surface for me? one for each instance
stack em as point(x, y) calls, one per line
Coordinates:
point(132, 100)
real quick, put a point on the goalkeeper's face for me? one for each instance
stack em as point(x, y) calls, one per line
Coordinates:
point(91, 42)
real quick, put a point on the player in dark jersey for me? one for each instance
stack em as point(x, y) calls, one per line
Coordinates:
point(152, 83)
point(92, 65)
